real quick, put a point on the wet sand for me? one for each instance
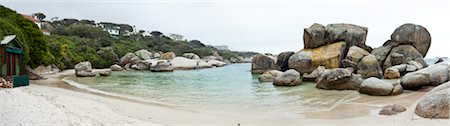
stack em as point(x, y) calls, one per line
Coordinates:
point(53, 101)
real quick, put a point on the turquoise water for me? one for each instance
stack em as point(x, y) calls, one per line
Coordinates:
point(231, 88)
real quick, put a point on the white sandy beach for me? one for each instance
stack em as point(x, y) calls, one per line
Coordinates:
point(43, 103)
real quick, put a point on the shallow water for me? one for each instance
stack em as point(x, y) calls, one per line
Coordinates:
point(229, 89)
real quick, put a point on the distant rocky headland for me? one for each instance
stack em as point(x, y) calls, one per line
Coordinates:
point(336, 57)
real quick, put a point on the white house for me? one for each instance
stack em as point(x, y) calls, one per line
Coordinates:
point(112, 30)
point(176, 37)
point(37, 22)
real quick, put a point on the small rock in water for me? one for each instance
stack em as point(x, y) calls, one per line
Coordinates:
point(392, 110)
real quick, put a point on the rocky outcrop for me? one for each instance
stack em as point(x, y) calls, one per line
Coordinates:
point(129, 58)
point(436, 103)
point(202, 64)
point(314, 75)
point(314, 36)
point(431, 76)
point(182, 63)
point(307, 60)
point(289, 78)
point(191, 56)
point(392, 73)
point(168, 56)
point(144, 54)
point(350, 33)
point(398, 89)
point(283, 60)
point(339, 79)
point(397, 58)
point(142, 65)
point(269, 76)
point(162, 66)
point(84, 69)
point(416, 35)
point(262, 63)
point(116, 67)
point(381, 53)
point(216, 63)
point(376, 87)
point(439, 61)
point(409, 53)
point(392, 110)
point(355, 54)
point(369, 67)
point(106, 72)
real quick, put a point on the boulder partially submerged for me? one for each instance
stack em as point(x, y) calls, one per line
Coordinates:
point(288, 78)
point(269, 76)
point(262, 63)
point(84, 69)
point(376, 87)
point(339, 79)
point(433, 75)
point(162, 66)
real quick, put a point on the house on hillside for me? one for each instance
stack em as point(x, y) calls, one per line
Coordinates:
point(111, 28)
point(175, 37)
point(11, 61)
point(37, 22)
point(222, 47)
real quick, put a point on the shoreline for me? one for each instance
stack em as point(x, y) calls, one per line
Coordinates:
point(132, 111)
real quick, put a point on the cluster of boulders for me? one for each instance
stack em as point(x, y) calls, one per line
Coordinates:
point(84, 69)
point(336, 58)
point(155, 62)
point(343, 46)
point(166, 62)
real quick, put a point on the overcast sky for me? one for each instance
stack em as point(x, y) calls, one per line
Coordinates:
point(255, 25)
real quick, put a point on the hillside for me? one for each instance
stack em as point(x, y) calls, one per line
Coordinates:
point(72, 41)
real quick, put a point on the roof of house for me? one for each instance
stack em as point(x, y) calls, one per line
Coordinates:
point(29, 17)
point(7, 39)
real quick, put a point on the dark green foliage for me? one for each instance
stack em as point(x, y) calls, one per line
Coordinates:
point(33, 41)
point(40, 16)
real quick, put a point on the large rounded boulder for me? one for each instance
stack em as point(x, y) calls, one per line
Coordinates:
point(307, 60)
point(269, 76)
point(182, 63)
point(430, 76)
point(262, 63)
point(283, 59)
point(129, 58)
point(376, 87)
point(436, 103)
point(314, 36)
point(288, 78)
point(168, 55)
point(350, 33)
point(409, 53)
point(416, 35)
point(339, 79)
point(162, 66)
point(84, 69)
point(369, 67)
point(144, 54)
point(191, 56)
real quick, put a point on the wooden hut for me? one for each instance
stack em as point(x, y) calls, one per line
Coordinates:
point(12, 63)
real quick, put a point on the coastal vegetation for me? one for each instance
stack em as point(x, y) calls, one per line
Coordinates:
point(73, 41)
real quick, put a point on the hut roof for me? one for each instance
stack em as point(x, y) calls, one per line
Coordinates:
point(7, 39)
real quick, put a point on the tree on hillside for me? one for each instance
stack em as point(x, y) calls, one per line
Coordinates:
point(156, 33)
point(40, 16)
point(197, 43)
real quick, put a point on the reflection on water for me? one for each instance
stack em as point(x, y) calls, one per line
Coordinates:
point(229, 88)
